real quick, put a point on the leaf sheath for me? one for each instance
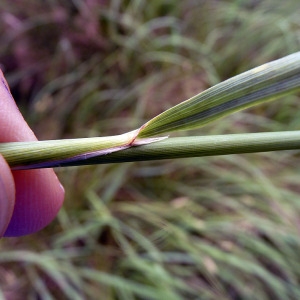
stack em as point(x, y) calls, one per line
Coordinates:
point(198, 146)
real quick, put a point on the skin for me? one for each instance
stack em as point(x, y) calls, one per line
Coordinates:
point(29, 200)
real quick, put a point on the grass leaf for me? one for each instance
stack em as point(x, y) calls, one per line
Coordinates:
point(260, 84)
point(264, 83)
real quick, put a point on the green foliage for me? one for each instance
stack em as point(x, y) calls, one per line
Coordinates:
point(264, 83)
point(198, 228)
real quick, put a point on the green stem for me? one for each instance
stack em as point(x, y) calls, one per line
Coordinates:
point(196, 146)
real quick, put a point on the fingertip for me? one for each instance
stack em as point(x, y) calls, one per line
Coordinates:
point(7, 195)
point(39, 196)
point(34, 196)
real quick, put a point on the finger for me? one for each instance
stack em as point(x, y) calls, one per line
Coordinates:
point(7, 195)
point(39, 194)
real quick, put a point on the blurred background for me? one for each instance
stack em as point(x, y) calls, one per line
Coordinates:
point(200, 228)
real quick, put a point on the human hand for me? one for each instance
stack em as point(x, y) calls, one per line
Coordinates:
point(29, 200)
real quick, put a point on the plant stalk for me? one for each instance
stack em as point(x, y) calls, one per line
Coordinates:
point(171, 148)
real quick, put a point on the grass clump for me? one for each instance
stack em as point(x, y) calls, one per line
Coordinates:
point(197, 228)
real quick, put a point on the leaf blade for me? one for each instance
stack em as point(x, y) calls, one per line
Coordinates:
point(261, 84)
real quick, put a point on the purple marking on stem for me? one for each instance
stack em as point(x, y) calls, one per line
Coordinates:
point(59, 162)
point(87, 155)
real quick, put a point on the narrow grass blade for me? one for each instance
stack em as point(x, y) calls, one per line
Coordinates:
point(264, 83)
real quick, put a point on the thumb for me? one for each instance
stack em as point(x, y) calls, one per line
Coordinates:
point(7, 195)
